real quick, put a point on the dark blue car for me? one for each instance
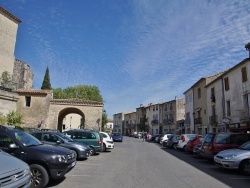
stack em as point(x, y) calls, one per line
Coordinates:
point(117, 137)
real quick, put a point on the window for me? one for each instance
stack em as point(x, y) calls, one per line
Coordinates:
point(226, 80)
point(27, 100)
point(5, 141)
point(212, 95)
point(171, 106)
point(199, 93)
point(228, 108)
point(244, 74)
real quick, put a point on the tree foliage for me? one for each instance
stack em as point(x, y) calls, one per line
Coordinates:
point(84, 92)
point(14, 118)
point(104, 121)
point(5, 79)
point(2, 119)
point(142, 125)
point(46, 81)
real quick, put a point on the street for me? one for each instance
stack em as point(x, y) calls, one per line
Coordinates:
point(134, 163)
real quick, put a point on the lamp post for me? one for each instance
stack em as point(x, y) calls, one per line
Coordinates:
point(194, 122)
point(247, 46)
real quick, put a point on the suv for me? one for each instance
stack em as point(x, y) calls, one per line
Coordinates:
point(213, 143)
point(107, 141)
point(53, 138)
point(90, 137)
point(45, 161)
point(13, 172)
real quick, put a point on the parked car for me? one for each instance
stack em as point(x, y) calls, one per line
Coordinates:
point(153, 137)
point(107, 141)
point(90, 137)
point(172, 141)
point(158, 138)
point(164, 137)
point(192, 142)
point(45, 161)
point(197, 150)
point(213, 143)
point(117, 137)
point(184, 138)
point(14, 172)
point(238, 158)
point(81, 150)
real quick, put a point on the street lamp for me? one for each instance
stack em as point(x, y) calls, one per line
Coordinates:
point(247, 46)
point(194, 122)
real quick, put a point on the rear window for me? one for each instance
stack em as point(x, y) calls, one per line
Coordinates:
point(208, 138)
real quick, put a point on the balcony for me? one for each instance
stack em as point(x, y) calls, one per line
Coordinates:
point(155, 122)
point(198, 120)
point(168, 121)
point(213, 119)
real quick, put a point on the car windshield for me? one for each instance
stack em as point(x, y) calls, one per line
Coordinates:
point(116, 134)
point(245, 146)
point(26, 139)
point(65, 137)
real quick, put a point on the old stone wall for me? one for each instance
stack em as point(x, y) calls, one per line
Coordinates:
point(37, 113)
point(8, 101)
point(22, 75)
point(8, 32)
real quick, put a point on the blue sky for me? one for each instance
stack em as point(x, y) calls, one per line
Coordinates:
point(135, 51)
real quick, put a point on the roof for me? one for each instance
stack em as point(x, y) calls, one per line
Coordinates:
point(10, 15)
point(76, 101)
point(33, 91)
point(229, 70)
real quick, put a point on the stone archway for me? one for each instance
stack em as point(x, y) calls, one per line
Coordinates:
point(65, 112)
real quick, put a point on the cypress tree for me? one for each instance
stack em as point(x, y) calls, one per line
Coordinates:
point(46, 81)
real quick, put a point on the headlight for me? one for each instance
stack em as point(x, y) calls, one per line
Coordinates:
point(230, 157)
point(27, 171)
point(60, 158)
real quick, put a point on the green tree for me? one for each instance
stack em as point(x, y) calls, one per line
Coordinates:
point(5, 79)
point(14, 118)
point(46, 81)
point(104, 121)
point(84, 92)
point(142, 125)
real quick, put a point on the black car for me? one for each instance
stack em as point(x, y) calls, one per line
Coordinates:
point(46, 162)
point(81, 150)
point(172, 141)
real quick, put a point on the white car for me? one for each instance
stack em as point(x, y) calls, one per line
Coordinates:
point(184, 138)
point(107, 141)
point(165, 138)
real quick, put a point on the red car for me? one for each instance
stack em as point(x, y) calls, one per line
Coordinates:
point(192, 142)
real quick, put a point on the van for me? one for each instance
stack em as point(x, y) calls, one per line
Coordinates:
point(90, 137)
point(213, 143)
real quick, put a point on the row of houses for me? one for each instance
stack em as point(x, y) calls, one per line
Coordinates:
point(215, 103)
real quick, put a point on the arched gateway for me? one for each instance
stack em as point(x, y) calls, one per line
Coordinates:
point(39, 109)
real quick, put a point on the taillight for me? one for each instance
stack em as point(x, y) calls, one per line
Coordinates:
point(182, 138)
point(99, 141)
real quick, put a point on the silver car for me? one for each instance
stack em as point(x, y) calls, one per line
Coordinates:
point(238, 158)
point(13, 172)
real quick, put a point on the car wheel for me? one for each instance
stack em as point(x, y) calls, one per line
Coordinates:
point(104, 147)
point(92, 151)
point(244, 167)
point(174, 146)
point(185, 148)
point(40, 177)
point(75, 153)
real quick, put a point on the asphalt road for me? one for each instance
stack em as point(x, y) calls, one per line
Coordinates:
point(137, 164)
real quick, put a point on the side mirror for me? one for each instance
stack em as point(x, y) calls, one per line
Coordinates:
point(13, 146)
point(59, 142)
